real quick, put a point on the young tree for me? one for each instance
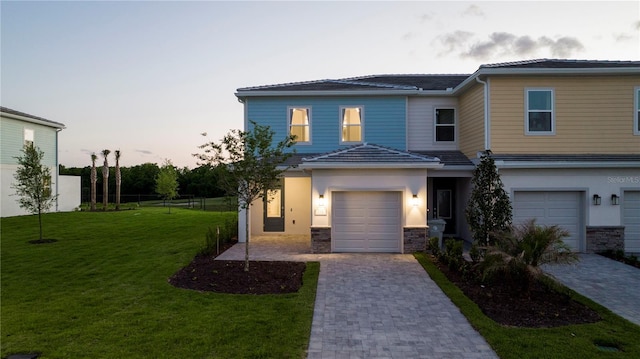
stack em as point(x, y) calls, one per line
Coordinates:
point(105, 179)
point(94, 181)
point(167, 182)
point(33, 183)
point(118, 179)
point(489, 208)
point(253, 166)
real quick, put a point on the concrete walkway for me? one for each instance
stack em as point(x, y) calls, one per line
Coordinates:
point(375, 305)
point(613, 284)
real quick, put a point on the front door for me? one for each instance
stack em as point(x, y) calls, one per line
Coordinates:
point(274, 209)
point(444, 199)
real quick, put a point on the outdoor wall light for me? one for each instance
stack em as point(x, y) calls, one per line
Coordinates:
point(321, 200)
point(596, 200)
point(415, 201)
point(615, 199)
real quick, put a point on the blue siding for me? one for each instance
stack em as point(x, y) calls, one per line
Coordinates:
point(384, 119)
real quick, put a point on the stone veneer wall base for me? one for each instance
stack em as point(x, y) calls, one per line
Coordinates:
point(415, 239)
point(321, 240)
point(602, 238)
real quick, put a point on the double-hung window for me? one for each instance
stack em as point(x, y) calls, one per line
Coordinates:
point(539, 112)
point(28, 137)
point(300, 123)
point(445, 125)
point(351, 121)
point(636, 112)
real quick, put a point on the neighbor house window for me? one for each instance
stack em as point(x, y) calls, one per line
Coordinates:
point(351, 121)
point(539, 116)
point(636, 113)
point(46, 182)
point(28, 137)
point(299, 123)
point(445, 125)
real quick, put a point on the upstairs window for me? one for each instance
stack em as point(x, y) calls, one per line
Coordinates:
point(28, 137)
point(539, 116)
point(445, 125)
point(351, 121)
point(636, 113)
point(299, 124)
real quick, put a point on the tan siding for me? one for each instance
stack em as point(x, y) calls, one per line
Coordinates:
point(593, 114)
point(471, 120)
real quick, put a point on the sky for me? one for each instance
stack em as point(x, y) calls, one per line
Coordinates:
point(148, 77)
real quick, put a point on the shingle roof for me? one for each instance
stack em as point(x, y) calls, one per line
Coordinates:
point(562, 63)
point(373, 82)
point(26, 115)
point(448, 158)
point(369, 153)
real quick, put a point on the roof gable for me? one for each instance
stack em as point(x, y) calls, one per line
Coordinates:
point(370, 156)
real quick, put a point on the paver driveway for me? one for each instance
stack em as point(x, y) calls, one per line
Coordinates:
point(613, 284)
point(374, 305)
point(386, 306)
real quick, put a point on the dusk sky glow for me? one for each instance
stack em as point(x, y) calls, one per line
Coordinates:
point(148, 77)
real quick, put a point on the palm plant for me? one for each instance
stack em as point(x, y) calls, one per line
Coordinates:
point(94, 180)
point(118, 179)
point(519, 252)
point(105, 179)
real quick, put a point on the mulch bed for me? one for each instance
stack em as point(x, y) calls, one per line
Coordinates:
point(540, 307)
point(264, 277)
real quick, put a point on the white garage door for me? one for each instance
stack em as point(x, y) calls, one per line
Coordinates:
point(631, 221)
point(366, 221)
point(551, 208)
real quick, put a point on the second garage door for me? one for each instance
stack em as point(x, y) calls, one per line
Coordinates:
point(366, 221)
point(631, 221)
point(550, 208)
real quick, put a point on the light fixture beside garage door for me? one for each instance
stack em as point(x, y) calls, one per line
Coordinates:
point(596, 200)
point(615, 200)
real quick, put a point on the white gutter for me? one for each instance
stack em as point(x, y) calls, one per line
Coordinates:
point(416, 92)
point(487, 122)
point(370, 165)
point(34, 120)
point(566, 164)
point(57, 170)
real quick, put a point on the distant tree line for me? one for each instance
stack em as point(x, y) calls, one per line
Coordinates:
point(203, 181)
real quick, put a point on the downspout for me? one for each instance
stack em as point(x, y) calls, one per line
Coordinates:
point(57, 169)
point(487, 122)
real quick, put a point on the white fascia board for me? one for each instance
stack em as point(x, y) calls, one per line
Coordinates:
point(34, 120)
point(577, 164)
point(371, 165)
point(546, 71)
point(417, 92)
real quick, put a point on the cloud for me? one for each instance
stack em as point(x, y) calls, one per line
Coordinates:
point(637, 25)
point(622, 37)
point(473, 10)
point(409, 35)
point(146, 152)
point(504, 43)
point(453, 41)
point(425, 17)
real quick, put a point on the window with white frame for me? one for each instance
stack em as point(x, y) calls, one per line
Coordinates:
point(539, 116)
point(445, 125)
point(28, 137)
point(300, 124)
point(636, 113)
point(351, 123)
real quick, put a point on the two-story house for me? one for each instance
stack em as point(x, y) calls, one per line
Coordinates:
point(17, 129)
point(377, 156)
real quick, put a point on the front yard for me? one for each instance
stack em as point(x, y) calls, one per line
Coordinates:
point(101, 291)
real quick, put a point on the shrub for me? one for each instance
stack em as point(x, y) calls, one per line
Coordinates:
point(519, 252)
point(453, 254)
point(475, 253)
point(434, 246)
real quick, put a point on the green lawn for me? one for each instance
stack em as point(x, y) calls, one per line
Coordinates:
point(101, 291)
point(573, 341)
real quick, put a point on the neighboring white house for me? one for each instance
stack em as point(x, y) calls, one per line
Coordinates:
point(17, 129)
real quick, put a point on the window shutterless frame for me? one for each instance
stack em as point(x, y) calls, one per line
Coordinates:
point(636, 111)
point(299, 123)
point(444, 124)
point(351, 120)
point(28, 136)
point(539, 111)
